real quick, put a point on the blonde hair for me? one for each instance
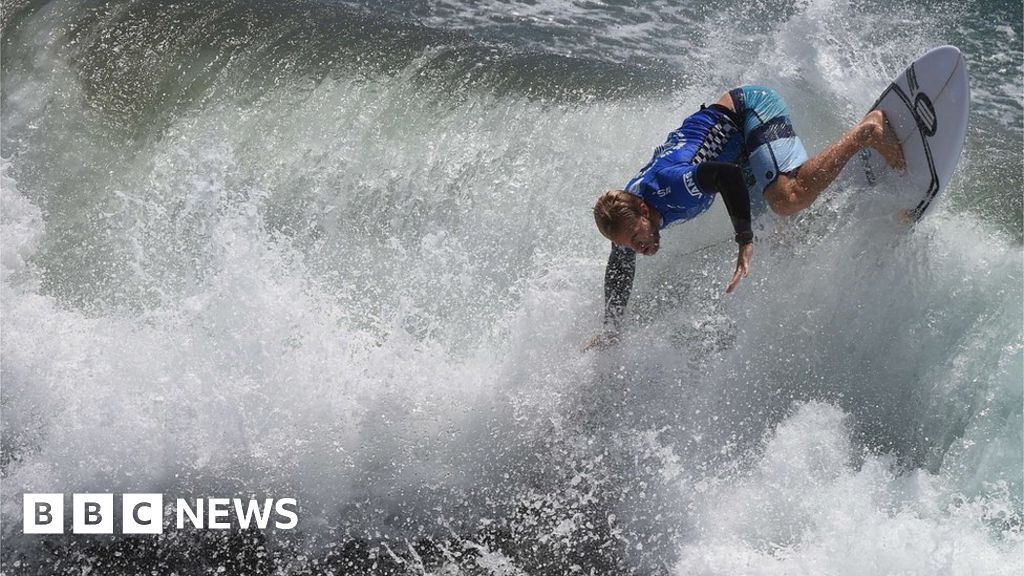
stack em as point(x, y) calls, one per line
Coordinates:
point(615, 209)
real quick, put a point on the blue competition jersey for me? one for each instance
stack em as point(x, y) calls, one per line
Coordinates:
point(668, 182)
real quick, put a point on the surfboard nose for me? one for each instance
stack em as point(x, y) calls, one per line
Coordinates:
point(927, 107)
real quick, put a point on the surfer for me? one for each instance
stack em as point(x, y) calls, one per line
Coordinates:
point(746, 136)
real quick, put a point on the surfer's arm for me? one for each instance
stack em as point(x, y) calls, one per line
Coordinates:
point(727, 180)
point(618, 283)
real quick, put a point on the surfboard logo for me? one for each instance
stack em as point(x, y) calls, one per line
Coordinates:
point(924, 114)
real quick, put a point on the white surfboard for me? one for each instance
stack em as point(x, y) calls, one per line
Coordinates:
point(927, 106)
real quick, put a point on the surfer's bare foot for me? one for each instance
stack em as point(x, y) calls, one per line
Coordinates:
point(880, 136)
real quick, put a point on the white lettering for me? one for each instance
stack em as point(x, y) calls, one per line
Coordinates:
point(43, 514)
point(253, 510)
point(691, 185)
point(196, 516)
point(282, 511)
point(91, 513)
point(142, 513)
point(219, 509)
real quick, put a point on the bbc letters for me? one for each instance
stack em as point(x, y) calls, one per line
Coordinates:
point(145, 513)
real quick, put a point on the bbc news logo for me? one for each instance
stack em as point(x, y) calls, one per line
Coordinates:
point(145, 514)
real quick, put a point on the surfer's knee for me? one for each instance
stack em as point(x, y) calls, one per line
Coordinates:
point(785, 197)
point(726, 100)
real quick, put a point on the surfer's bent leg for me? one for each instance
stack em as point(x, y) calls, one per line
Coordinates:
point(782, 171)
point(793, 192)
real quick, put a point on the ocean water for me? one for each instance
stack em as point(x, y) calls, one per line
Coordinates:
point(342, 251)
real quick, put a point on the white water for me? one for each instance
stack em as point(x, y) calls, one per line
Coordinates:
point(815, 504)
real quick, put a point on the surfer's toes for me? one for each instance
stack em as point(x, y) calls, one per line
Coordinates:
point(883, 139)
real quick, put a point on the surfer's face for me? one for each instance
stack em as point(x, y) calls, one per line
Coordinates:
point(641, 235)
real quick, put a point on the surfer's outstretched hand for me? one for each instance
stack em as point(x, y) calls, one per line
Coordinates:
point(602, 340)
point(742, 266)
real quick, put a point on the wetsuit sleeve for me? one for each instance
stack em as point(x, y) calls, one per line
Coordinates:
point(727, 180)
point(618, 283)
